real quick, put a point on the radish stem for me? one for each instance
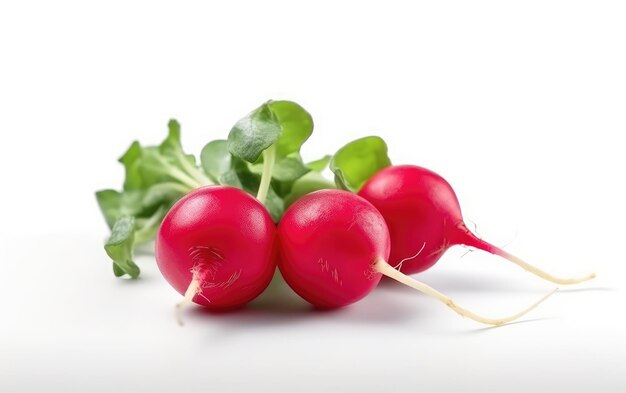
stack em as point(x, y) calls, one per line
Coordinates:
point(383, 267)
point(192, 170)
point(269, 156)
point(184, 178)
point(192, 290)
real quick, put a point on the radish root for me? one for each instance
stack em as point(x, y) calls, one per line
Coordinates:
point(383, 267)
point(469, 239)
point(540, 273)
point(192, 290)
point(399, 265)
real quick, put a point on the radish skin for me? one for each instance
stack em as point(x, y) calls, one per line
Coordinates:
point(216, 247)
point(334, 247)
point(419, 206)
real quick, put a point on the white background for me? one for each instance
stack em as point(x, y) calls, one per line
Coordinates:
point(520, 106)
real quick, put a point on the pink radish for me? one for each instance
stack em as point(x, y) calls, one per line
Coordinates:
point(216, 246)
point(424, 220)
point(333, 251)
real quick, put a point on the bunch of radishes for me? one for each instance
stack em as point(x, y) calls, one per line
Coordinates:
point(219, 246)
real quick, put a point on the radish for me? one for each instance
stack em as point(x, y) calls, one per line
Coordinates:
point(333, 251)
point(424, 220)
point(216, 246)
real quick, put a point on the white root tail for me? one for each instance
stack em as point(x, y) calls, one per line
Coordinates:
point(469, 239)
point(545, 275)
point(192, 290)
point(383, 267)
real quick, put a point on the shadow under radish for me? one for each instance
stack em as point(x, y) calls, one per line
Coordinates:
point(279, 306)
point(488, 329)
point(446, 281)
point(462, 282)
point(591, 289)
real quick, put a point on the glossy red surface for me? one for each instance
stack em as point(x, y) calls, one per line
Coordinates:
point(227, 237)
point(420, 209)
point(329, 241)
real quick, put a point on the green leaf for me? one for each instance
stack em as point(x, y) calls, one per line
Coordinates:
point(285, 170)
point(296, 126)
point(290, 168)
point(172, 143)
point(146, 228)
point(359, 160)
point(153, 167)
point(231, 178)
point(275, 205)
point(216, 159)
point(282, 122)
point(250, 183)
point(163, 193)
point(117, 271)
point(156, 177)
point(146, 166)
point(239, 168)
point(308, 183)
point(115, 204)
point(254, 133)
point(319, 165)
point(282, 188)
point(119, 247)
point(109, 201)
point(242, 177)
point(130, 159)
point(171, 148)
